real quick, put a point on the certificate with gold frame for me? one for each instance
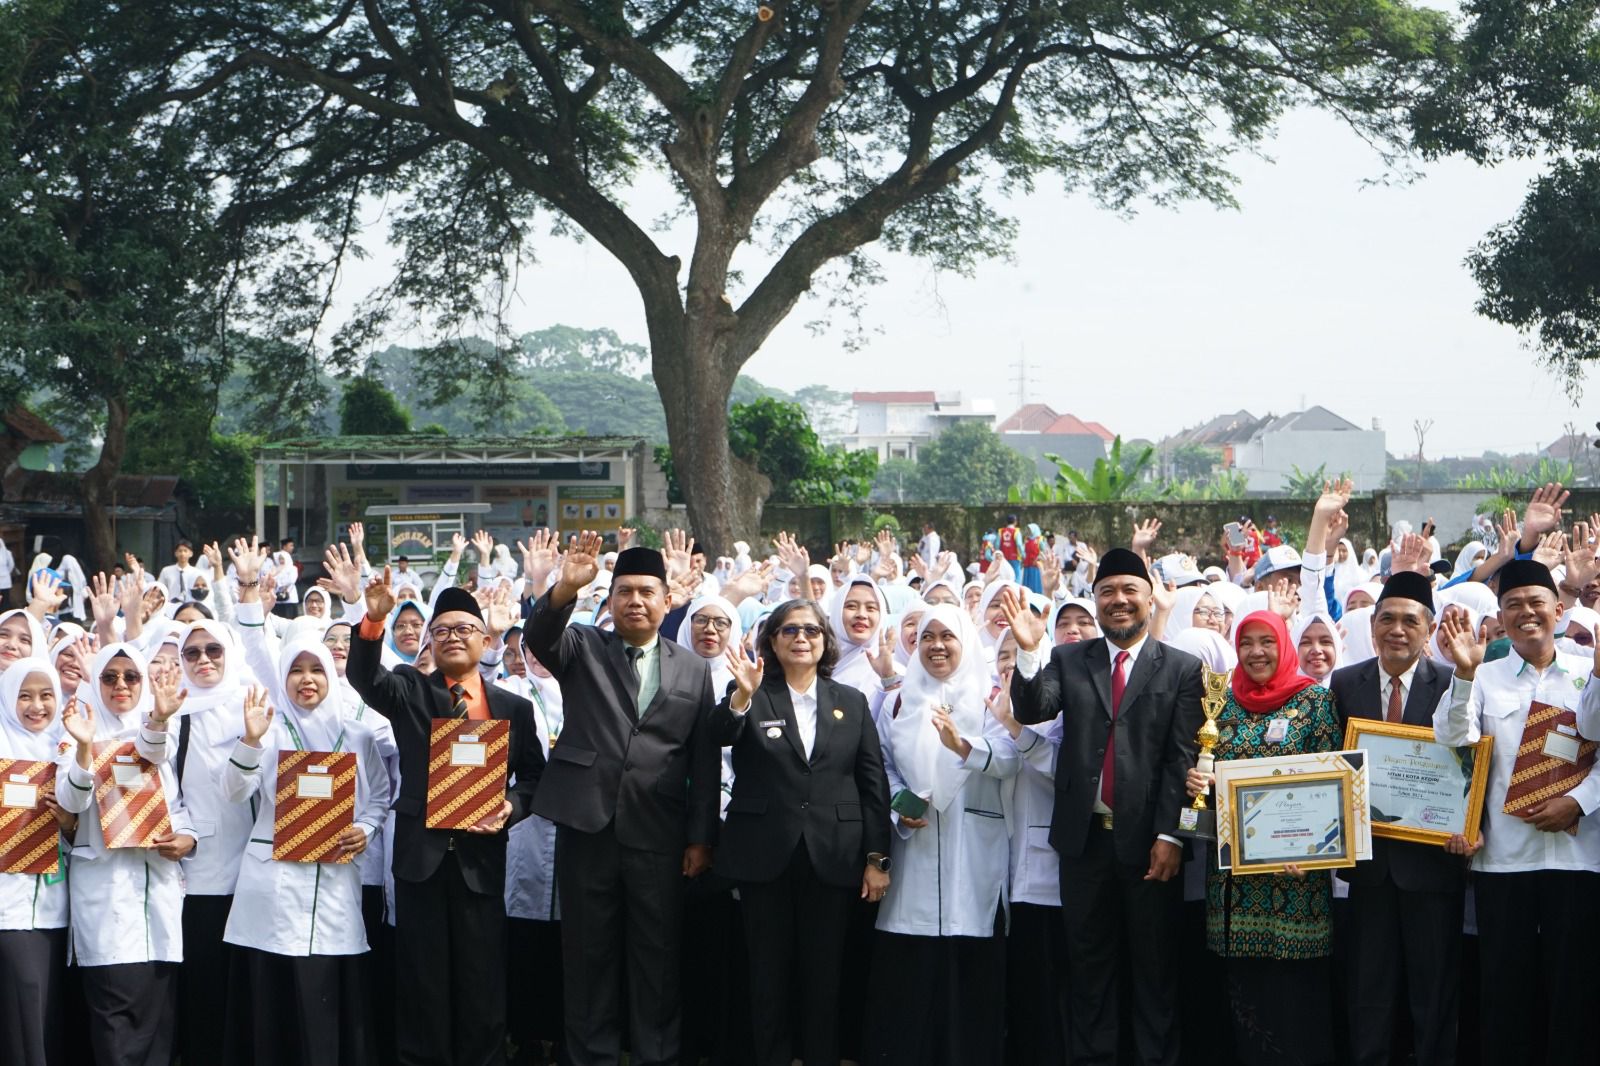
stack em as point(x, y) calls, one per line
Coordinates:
point(1307, 820)
point(1421, 790)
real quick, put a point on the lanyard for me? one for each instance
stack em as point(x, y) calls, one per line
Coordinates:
point(300, 744)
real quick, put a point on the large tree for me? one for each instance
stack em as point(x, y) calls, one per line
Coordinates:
point(797, 135)
point(968, 463)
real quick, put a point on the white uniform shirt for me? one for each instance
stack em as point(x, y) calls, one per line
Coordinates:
point(179, 580)
point(1029, 799)
point(805, 716)
point(8, 565)
point(127, 903)
point(298, 908)
point(1495, 703)
point(950, 877)
point(221, 828)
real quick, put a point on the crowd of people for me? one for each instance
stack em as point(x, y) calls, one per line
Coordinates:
point(890, 807)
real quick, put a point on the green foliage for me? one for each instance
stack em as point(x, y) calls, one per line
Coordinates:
point(1195, 462)
point(776, 436)
point(663, 457)
point(1305, 484)
point(1228, 485)
point(1510, 479)
point(1495, 506)
point(433, 429)
point(968, 463)
point(896, 482)
point(1114, 477)
point(367, 409)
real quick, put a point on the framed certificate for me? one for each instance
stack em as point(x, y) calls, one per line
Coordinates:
point(1419, 789)
point(129, 796)
point(1304, 819)
point(316, 801)
point(28, 833)
point(468, 764)
point(1355, 762)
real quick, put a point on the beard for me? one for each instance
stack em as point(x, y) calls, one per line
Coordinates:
point(1125, 632)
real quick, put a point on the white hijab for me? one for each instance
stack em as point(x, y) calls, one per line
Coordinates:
point(106, 722)
point(854, 668)
point(35, 632)
point(1209, 646)
point(1184, 602)
point(235, 674)
point(1298, 630)
point(992, 644)
point(1358, 646)
point(318, 728)
point(720, 674)
point(1347, 575)
point(928, 767)
point(16, 740)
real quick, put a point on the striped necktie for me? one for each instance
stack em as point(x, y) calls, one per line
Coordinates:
point(459, 708)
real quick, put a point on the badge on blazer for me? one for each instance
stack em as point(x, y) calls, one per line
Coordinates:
point(774, 733)
point(837, 713)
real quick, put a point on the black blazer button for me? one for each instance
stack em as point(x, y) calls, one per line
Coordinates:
point(635, 732)
point(1101, 753)
point(627, 766)
point(804, 805)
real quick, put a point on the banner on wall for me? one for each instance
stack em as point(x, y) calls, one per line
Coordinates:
point(349, 503)
point(515, 511)
point(596, 507)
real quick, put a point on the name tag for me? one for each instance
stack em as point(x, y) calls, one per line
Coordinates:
point(465, 754)
point(313, 786)
point(775, 722)
point(1562, 743)
point(1277, 731)
point(24, 796)
point(124, 775)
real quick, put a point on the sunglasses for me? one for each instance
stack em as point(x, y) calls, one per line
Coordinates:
point(131, 678)
point(812, 632)
point(213, 652)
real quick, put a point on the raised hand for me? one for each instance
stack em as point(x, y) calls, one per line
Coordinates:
point(1413, 554)
point(1543, 513)
point(1049, 573)
point(102, 597)
point(579, 564)
point(1551, 547)
point(681, 588)
point(885, 543)
point(1580, 559)
point(1285, 604)
point(918, 567)
point(44, 595)
point(625, 538)
point(540, 553)
point(944, 565)
point(1027, 627)
point(166, 687)
point(1463, 642)
point(1163, 594)
point(880, 652)
point(379, 595)
point(746, 677)
point(675, 552)
point(753, 582)
point(246, 559)
point(344, 573)
point(999, 706)
point(949, 735)
point(78, 720)
point(257, 715)
point(483, 544)
point(499, 616)
point(998, 568)
point(1144, 535)
point(458, 544)
point(358, 540)
point(791, 555)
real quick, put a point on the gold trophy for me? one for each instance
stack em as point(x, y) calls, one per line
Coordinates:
point(1197, 821)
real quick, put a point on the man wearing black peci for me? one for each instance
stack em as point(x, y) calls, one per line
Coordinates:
point(1130, 708)
point(633, 787)
point(1406, 904)
point(450, 914)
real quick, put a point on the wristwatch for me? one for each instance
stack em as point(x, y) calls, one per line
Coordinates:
point(880, 860)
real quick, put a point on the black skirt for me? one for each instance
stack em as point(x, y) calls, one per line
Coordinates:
point(936, 1001)
point(33, 972)
point(286, 1010)
point(1282, 1011)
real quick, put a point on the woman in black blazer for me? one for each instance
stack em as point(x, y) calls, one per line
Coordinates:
point(807, 829)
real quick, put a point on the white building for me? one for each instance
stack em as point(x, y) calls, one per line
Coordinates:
point(897, 424)
point(1315, 437)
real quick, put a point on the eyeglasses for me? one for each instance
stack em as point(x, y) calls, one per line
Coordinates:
point(336, 642)
point(1212, 613)
point(408, 627)
point(214, 652)
point(701, 621)
point(790, 632)
point(463, 631)
point(131, 678)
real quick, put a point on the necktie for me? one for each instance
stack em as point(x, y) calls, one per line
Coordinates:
point(1119, 683)
point(634, 655)
point(1396, 711)
point(459, 708)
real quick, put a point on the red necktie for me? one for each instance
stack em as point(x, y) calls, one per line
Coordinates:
point(1119, 682)
point(1396, 712)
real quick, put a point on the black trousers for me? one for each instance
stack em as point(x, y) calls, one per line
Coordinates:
point(33, 973)
point(937, 1000)
point(621, 915)
point(297, 1011)
point(203, 977)
point(380, 980)
point(1404, 947)
point(450, 948)
point(1115, 919)
point(1536, 938)
point(795, 929)
point(1036, 988)
point(533, 984)
point(132, 1013)
point(716, 972)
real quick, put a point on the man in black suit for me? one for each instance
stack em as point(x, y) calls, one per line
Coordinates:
point(450, 914)
point(1406, 903)
point(1130, 707)
point(633, 788)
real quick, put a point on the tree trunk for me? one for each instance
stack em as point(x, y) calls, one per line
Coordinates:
point(97, 485)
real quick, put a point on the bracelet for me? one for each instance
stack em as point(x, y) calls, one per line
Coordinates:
point(890, 683)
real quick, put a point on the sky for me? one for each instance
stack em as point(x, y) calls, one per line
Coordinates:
point(1320, 289)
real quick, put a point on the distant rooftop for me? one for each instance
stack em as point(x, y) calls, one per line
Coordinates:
point(1041, 418)
point(1311, 420)
point(442, 448)
point(894, 397)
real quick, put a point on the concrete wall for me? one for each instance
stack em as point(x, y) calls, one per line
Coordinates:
point(1271, 458)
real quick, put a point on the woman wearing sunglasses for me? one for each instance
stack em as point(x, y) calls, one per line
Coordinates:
point(807, 828)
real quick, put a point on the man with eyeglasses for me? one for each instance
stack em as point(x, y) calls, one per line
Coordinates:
point(633, 789)
point(450, 916)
